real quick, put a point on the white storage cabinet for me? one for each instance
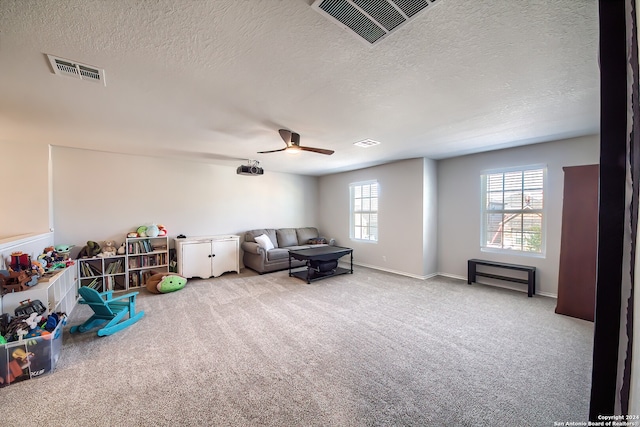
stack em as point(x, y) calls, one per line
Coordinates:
point(208, 256)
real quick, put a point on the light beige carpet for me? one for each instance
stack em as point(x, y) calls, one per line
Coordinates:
point(366, 349)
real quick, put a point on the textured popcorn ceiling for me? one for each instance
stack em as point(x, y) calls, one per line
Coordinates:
point(214, 80)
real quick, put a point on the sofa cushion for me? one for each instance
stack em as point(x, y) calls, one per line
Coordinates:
point(286, 237)
point(295, 248)
point(250, 236)
point(304, 234)
point(277, 253)
point(264, 241)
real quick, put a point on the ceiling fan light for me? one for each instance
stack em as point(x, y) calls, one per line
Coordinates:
point(292, 149)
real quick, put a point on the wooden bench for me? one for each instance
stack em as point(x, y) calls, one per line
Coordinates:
point(530, 281)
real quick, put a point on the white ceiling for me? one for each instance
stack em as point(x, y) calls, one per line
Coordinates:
point(215, 80)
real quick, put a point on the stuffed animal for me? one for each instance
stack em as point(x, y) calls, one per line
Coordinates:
point(152, 230)
point(108, 249)
point(63, 251)
point(92, 249)
point(162, 283)
point(122, 249)
point(142, 231)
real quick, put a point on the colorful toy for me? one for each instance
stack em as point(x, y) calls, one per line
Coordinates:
point(63, 251)
point(111, 314)
point(163, 230)
point(20, 261)
point(14, 281)
point(34, 328)
point(162, 283)
point(53, 320)
point(37, 267)
point(50, 257)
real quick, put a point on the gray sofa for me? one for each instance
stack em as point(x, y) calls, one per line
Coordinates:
point(283, 239)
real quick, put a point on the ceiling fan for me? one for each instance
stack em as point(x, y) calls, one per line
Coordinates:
point(292, 140)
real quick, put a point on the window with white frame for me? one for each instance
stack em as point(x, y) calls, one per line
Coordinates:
point(513, 210)
point(364, 210)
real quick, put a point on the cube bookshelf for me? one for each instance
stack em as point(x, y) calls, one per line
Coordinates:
point(144, 256)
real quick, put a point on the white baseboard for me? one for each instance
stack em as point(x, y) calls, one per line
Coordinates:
point(500, 285)
point(452, 276)
point(401, 273)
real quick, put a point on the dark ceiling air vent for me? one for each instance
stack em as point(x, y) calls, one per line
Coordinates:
point(65, 67)
point(372, 20)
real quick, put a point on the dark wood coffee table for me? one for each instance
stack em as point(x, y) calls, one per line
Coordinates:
point(322, 262)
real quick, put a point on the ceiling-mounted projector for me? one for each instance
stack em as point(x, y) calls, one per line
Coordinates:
point(250, 169)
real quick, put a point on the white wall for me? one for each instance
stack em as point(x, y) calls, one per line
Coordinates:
point(24, 174)
point(430, 207)
point(459, 204)
point(102, 196)
point(401, 215)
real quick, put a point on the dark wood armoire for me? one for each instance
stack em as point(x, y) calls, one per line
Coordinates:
point(579, 242)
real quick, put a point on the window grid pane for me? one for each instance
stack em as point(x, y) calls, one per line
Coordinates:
point(512, 210)
point(365, 211)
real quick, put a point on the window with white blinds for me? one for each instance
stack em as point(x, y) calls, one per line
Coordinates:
point(364, 211)
point(513, 210)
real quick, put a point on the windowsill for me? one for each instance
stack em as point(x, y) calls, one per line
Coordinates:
point(362, 240)
point(513, 252)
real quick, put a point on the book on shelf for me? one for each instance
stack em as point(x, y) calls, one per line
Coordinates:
point(134, 279)
point(115, 267)
point(94, 284)
point(87, 269)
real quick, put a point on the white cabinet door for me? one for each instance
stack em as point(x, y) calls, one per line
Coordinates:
point(226, 257)
point(196, 259)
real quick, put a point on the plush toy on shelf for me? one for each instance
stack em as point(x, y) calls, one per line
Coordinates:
point(91, 250)
point(108, 249)
point(122, 249)
point(142, 231)
point(152, 230)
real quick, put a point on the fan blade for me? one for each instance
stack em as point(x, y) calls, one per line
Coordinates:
point(317, 150)
point(272, 151)
point(286, 136)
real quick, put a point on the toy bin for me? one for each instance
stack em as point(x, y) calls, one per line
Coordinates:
point(30, 358)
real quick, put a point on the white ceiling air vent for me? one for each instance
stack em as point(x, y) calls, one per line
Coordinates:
point(66, 67)
point(371, 20)
point(366, 143)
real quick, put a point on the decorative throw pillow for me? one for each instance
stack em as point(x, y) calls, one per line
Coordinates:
point(264, 241)
point(317, 241)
